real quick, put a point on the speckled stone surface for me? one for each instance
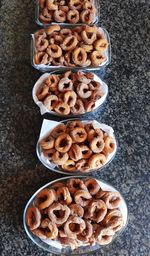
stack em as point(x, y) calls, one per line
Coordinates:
point(126, 111)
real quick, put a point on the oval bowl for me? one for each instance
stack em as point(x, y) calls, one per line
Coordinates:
point(52, 167)
point(44, 110)
point(56, 248)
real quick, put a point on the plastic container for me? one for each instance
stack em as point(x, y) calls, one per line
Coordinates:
point(57, 248)
point(49, 68)
point(37, 13)
point(48, 126)
point(43, 109)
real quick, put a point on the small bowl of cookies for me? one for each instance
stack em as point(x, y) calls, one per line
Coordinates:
point(66, 12)
point(62, 48)
point(75, 215)
point(69, 94)
point(76, 146)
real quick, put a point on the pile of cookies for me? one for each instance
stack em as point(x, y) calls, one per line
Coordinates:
point(77, 146)
point(67, 11)
point(70, 93)
point(76, 213)
point(81, 46)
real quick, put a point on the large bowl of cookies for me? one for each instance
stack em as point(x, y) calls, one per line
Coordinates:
point(75, 215)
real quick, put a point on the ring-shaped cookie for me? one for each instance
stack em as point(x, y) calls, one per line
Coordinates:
point(48, 153)
point(94, 133)
point(112, 199)
point(75, 184)
point(78, 108)
point(86, 152)
point(54, 51)
point(63, 143)
point(97, 161)
point(86, 233)
point(92, 186)
point(69, 166)
point(65, 32)
point(65, 84)
point(114, 220)
point(79, 56)
point(47, 143)
point(76, 210)
point(109, 144)
point(73, 226)
point(87, 16)
point(78, 134)
point(45, 198)
point(75, 124)
point(105, 237)
point(42, 92)
point(83, 91)
point(69, 43)
point(75, 4)
point(59, 158)
point(63, 213)
point(96, 210)
point(83, 166)
point(58, 130)
point(81, 197)
point(97, 145)
point(70, 98)
point(62, 108)
point(45, 16)
point(52, 82)
point(51, 230)
point(75, 152)
point(97, 58)
point(51, 5)
point(73, 16)
point(33, 217)
point(52, 29)
point(41, 58)
point(63, 195)
point(101, 44)
point(50, 101)
point(89, 35)
point(41, 44)
point(59, 16)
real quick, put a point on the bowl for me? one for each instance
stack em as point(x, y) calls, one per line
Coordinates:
point(48, 125)
point(44, 110)
point(37, 13)
point(56, 248)
point(49, 68)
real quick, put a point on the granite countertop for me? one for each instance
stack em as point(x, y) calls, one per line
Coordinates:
point(126, 111)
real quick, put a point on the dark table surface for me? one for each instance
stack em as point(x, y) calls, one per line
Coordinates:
point(126, 111)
